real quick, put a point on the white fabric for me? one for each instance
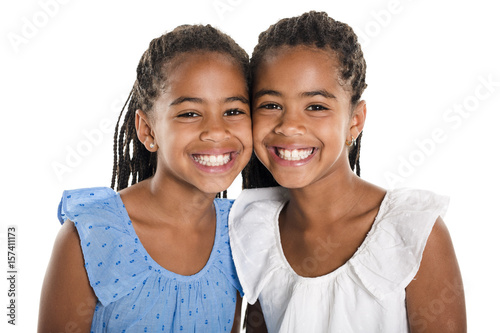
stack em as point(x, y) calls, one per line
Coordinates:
point(366, 294)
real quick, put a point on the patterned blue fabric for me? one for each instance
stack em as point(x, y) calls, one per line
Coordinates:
point(135, 294)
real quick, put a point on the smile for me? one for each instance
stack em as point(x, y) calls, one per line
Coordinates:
point(294, 154)
point(212, 160)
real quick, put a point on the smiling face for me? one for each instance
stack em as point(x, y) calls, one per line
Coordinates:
point(200, 124)
point(302, 116)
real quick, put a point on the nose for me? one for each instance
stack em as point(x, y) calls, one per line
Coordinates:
point(214, 129)
point(290, 124)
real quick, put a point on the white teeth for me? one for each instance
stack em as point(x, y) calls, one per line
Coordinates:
point(212, 160)
point(295, 154)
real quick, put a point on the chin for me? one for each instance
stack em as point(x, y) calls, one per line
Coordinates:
point(291, 182)
point(213, 188)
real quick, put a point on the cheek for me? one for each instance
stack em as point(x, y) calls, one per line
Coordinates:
point(333, 137)
point(172, 140)
point(260, 129)
point(247, 137)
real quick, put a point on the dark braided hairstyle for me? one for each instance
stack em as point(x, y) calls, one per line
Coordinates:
point(318, 30)
point(132, 161)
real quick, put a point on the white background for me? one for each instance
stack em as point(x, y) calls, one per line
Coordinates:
point(67, 69)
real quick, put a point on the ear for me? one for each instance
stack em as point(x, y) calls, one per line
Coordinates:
point(358, 119)
point(145, 131)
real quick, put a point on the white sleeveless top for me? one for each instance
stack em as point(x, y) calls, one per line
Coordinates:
point(366, 294)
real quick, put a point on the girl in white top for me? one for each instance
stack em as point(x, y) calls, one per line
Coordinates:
point(328, 251)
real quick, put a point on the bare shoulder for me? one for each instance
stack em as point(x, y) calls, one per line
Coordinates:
point(67, 300)
point(435, 298)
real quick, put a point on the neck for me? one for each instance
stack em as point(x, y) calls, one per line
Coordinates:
point(324, 201)
point(167, 199)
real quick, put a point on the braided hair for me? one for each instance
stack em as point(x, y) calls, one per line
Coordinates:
point(318, 30)
point(132, 161)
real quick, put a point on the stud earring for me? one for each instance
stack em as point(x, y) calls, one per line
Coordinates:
point(152, 145)
point(349, 143)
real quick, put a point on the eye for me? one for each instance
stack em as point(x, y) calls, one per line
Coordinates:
point(270, 106)
point(233, 112)
point(188, 115)
point(316, 107)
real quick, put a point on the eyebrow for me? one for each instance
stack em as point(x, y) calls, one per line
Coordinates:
point(183, 99)
point(237, 99)
point(321, 92)
point(263, 92)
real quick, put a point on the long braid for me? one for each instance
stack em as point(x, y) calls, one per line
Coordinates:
point(224, 194)
point(122, 163)
point(317, 30)
point(115, 152)
point(132, 161)
point(135, 162)
point(354, 153)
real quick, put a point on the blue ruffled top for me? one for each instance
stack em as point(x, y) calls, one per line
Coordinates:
point(136, 294)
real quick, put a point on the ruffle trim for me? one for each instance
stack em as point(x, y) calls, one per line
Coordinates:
point(390, 256)
point(116, 262)
point(106, 243)
point(252, 234)
point(387, 260)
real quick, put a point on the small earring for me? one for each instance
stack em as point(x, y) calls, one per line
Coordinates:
point(349, 143)
point(152, 145)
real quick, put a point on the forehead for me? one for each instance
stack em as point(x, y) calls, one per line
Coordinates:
point(197, 70)
point(185, 60)
point(193, 62)
point(298, 68)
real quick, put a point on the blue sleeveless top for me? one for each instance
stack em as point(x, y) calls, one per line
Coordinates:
point(136, 294)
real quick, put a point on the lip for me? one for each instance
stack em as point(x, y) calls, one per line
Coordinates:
point(291, 163)
point(233, 154)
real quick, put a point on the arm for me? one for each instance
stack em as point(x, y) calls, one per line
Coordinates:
point(237, 315)
point(435, 298)
point(67, 301)
point(254, 319)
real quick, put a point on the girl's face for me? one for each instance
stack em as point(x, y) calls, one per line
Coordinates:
point(201, 122)
point(302, 116)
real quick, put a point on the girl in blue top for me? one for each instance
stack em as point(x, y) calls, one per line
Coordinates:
point(155, 256)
